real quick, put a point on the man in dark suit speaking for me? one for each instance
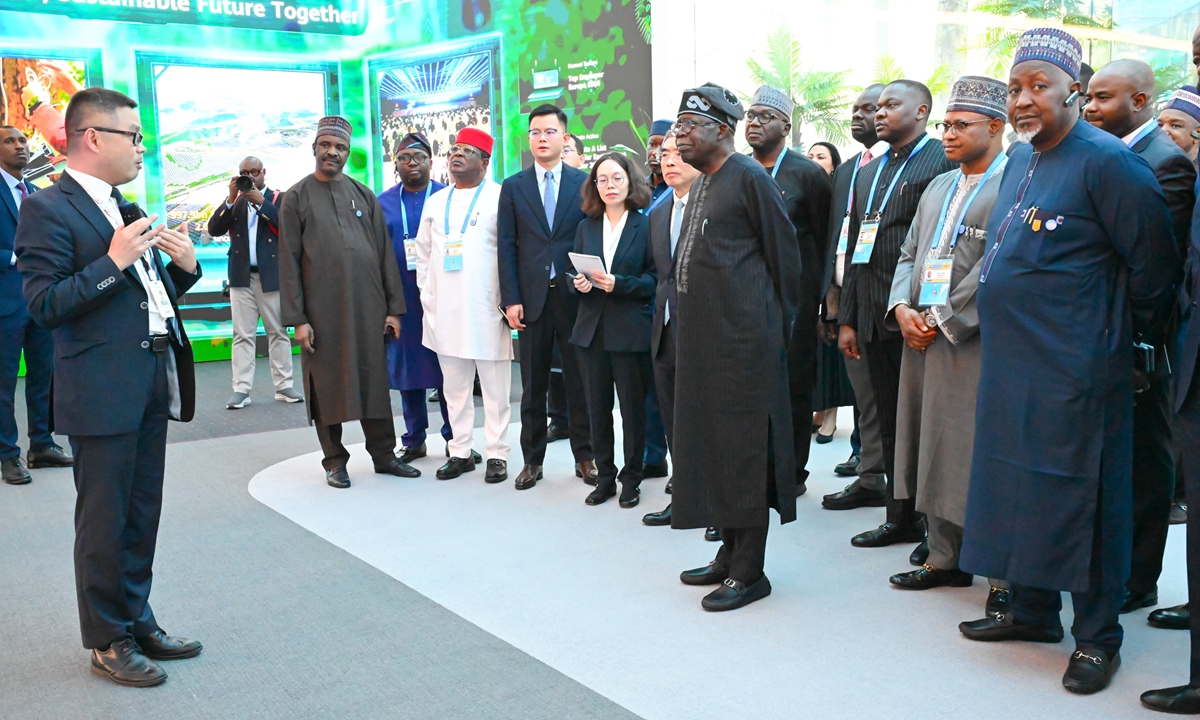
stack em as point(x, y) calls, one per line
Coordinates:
point(122, 366)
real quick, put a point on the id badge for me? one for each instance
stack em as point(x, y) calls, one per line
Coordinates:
point(844, 237)
point(161, 299)
point(453, 259)
point(935, 282)
point(410, 253)
point(866, 243)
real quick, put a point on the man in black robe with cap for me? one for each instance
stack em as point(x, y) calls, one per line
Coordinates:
point(737, 277)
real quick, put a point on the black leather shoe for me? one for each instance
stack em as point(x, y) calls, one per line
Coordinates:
point(529, 476)
point(1171, 618)
point(1182, 700)
point(999, 601)
point(710, 574)
point(474, 455)
point(1090, 670)
point(1137, 601)
point(656, 470)
point(853, 497)
point(53, 456)
point(670, 486)
point(124, 664)
point(497, 471)
point(824, 439)
point(630, 496)
point(919, 554)
point(657, 519)
point(399, 468)
point(1178, 515)
point(712, 535)
point(160, 646)
point(455, 467)
point(587, 470)
point(556, 432)
point(338, 477)
point(733, 594)
point(888, 534)
point(848, 468)
point(14, 472)
point(930, 577)
point(601, 494)
point(1000, 627)
point(413, 453)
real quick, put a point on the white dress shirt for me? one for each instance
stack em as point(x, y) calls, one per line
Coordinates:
point(1128, 139)
point(612, 238)
point(251, 230)
point(16, 195)
point(556, 174)
point(101, 192)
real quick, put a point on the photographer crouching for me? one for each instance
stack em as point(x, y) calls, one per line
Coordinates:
point(252, 211)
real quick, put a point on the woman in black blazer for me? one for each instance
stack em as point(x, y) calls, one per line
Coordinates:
point(612, 328)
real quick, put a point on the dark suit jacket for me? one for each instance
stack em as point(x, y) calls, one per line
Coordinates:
point(11, 299)
point(806, 193)
point(527, 247)
point(1176, 176)
point(233, 221)
point(837, 211)
point(626, 322)
point(102, 371)
point(1189, 350)
point(664, 268)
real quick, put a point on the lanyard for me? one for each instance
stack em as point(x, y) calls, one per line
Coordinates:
point(779, 163)
point(469, 211)
point(1142, 134)
point(962, 213)
point(1021, 190)
point(853, 181)
point(887, 196)
point(404, 210)
point(662, 198)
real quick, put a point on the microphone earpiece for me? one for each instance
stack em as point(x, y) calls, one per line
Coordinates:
point(1196, 134)
point(1071, 98)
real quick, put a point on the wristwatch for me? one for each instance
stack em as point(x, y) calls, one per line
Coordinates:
point(930, 319)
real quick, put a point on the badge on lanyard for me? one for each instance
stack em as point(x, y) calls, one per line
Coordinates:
point(453, 259)
point(870, 228)
point(410, 244)
point(410, 252)
point(844, 236)
point(935, 281)
point(866, 242)
point(157, 291)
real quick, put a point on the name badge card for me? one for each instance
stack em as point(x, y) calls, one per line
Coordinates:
point(844, 236)
point(866, 243)
point(453, 259)
point(935, 282)
point(158, 292)
point(410, 253)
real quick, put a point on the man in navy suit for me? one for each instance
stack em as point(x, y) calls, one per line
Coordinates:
point(122, 366)
point(19, 332)
point(540, 208)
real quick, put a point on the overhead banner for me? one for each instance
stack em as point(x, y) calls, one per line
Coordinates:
point(331, 17)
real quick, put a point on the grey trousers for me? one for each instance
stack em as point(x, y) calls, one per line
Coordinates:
point(870, 460)
point(945, 544)
point(247, 305)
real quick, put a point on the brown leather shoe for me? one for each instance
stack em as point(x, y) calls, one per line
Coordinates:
point(124, 664)
point(529, 476)
point(586, 469)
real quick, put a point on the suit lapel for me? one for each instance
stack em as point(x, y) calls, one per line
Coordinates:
point(529, 184)
point(570, 188)
point(623, 242)
point(9, 202)
point(87, 207)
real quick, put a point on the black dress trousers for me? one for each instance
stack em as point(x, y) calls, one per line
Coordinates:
point(630, 373)
point(664, 382)
point(1153, 484)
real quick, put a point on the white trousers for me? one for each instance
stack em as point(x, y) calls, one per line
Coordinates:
point(458, 385)
point(247, 305)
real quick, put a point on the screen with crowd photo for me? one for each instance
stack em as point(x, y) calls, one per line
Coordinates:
point(36, 94)
point(435, 97)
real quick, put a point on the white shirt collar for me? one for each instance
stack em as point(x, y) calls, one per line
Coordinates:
point(683, 199)
point(100, 190)
point(1128, 139)
point(879, 149)
point(12, 181)
point(556, 171)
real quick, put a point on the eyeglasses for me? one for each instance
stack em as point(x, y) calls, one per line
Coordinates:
point(616, 181)
point(136, 137)
point(957, 126)
point(550, 134)
point(669, 155)
point(465, 151)
point(252, 173)
point(683, 127)
point(411, 158)
point(761, 118)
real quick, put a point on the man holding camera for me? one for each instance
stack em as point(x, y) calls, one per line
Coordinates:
point(250, 216)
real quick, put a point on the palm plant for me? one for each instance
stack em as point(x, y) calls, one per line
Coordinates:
point(820, 95)
point(1170, 76)
point(1001, 43)
point(888, 70)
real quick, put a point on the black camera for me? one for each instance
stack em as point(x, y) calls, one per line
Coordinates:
point(244, 183)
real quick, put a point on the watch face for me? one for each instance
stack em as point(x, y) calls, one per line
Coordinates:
point(930, 320)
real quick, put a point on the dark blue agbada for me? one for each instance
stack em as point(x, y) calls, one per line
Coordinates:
point(411, 365)
point(1085, 260)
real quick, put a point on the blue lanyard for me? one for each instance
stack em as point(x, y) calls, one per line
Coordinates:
point(404, 210)
point(469, 210)
point(662, 197)
point(892, 186)
point(779, 163)
point(1144, 132)
point(962, 213)
point(853, 182)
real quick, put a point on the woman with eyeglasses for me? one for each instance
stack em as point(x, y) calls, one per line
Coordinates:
point(612, 329)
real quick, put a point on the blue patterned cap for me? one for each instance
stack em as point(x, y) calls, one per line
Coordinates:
point(660, 127)
point(1053, 45)
point(979, 94)
point(1186, 100)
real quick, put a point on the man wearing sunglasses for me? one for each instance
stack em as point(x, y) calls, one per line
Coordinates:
point(250, 215)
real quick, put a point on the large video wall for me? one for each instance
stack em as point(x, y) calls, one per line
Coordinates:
point(217, 80)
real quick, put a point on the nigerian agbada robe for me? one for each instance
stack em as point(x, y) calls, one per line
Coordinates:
point(738, 279)
point(338, 273)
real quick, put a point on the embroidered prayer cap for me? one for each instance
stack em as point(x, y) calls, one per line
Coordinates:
point(476, 138)
point(712, 101)
point(660, 127)
point(1053, 45)
point(414, 139)
point(774, 99)
point(1186, 100)
point(334, 125)
point(979, 94)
